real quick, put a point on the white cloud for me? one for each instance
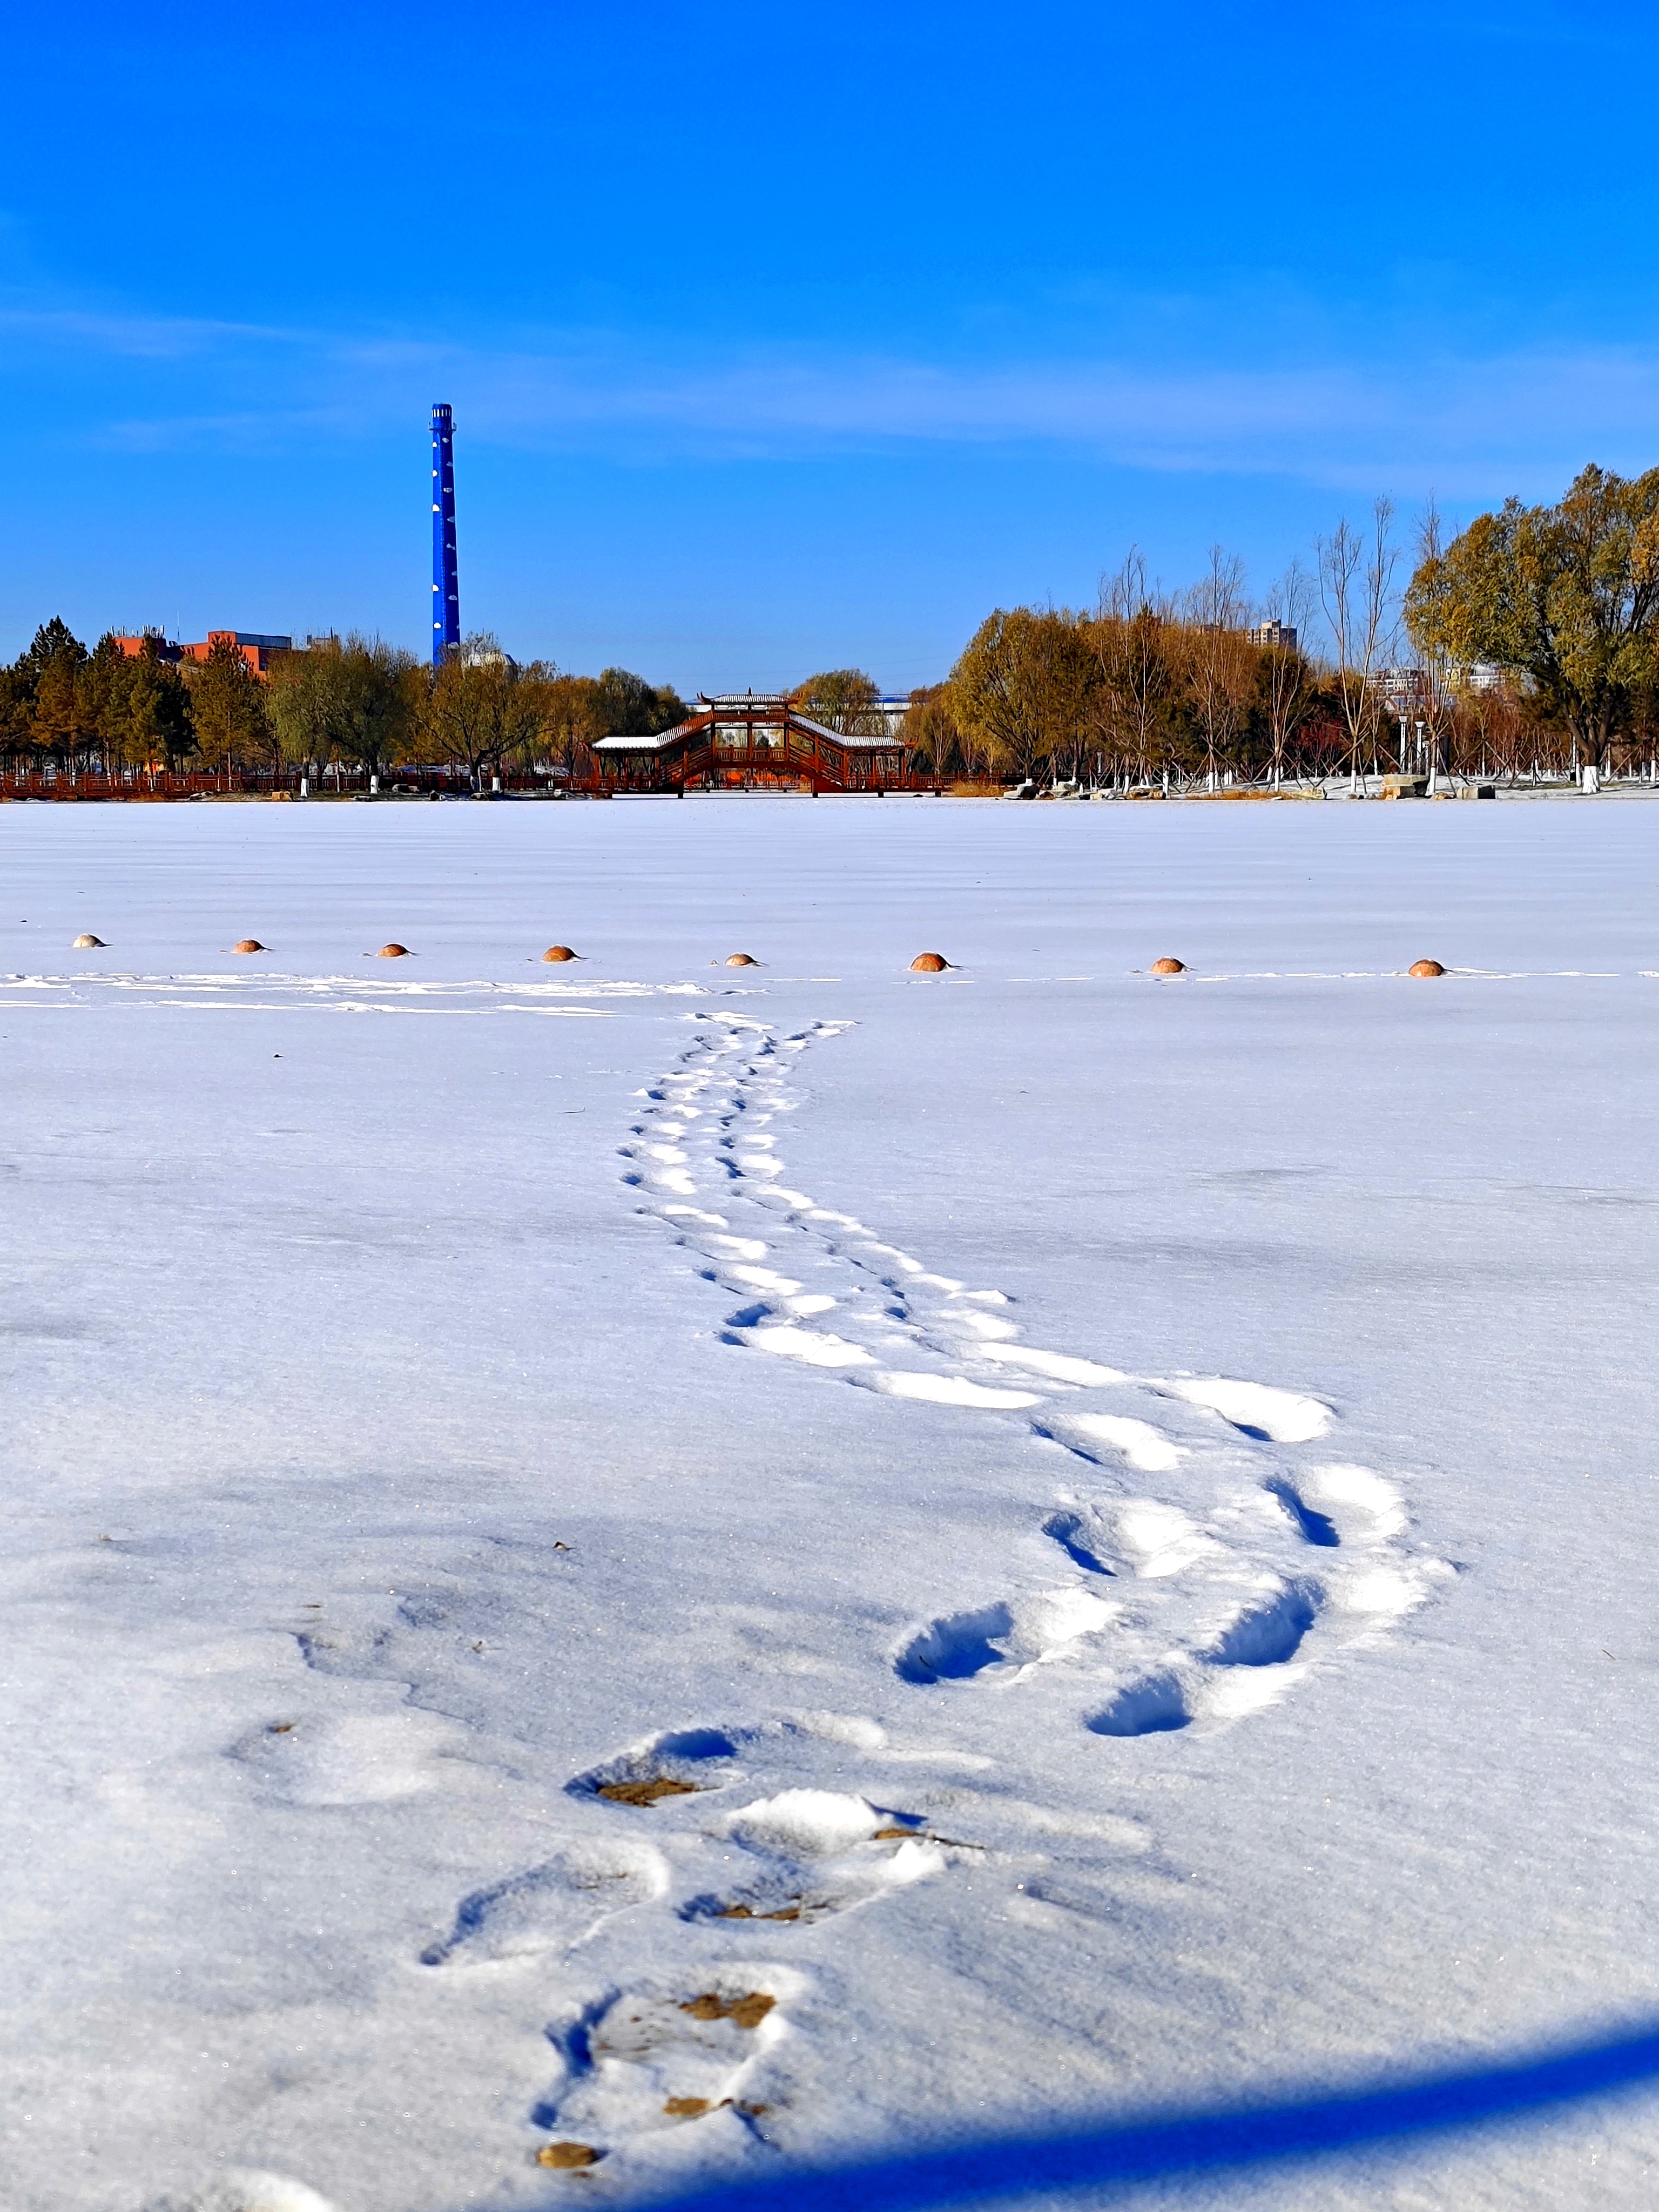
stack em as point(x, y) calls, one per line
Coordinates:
point(155, 337)
point(1471, 427)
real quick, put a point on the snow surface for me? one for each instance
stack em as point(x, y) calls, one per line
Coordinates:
point(1117, 1515)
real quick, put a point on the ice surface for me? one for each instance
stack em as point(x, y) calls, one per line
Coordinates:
point(744, 1569)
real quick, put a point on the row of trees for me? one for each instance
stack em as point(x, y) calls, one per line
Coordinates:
point(1145, 686)
point(355, 702)
point(1527, 644)
point(1138, 687)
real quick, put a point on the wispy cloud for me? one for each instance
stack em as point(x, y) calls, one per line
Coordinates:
point(1463, 425)
point(1470, 426)
point(147, 338)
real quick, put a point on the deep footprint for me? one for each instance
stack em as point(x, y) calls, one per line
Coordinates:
point(1266, 1635)
point(956, 1649)
point(677, 1764)
point(1071, 1531)
point(1314, 1527)
point(1149, 1707)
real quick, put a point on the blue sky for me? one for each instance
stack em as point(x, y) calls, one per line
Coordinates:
point(784, 338)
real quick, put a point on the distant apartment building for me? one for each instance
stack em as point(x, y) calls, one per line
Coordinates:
point(1407, 690)
point(1280, 635)
point(256, 647)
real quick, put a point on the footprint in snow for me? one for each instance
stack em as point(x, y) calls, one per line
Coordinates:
point(810, 1853)
point(355, 1758)
point(1004, 1640)
point(640, 2063)
point(551, 1906)
point(679, 1763)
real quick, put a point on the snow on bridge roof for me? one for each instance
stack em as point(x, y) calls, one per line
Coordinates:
point(851, 741)
point(651, 745)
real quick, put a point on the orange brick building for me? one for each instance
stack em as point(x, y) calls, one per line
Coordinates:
point(254, 645)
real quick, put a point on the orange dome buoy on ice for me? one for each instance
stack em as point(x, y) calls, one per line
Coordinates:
point(247, 945)
point(87, 943)
point(560, 952)
point(392, 952)
point(1425, 968)
point(929, 964)
point(1169, 968)
point(741, 960)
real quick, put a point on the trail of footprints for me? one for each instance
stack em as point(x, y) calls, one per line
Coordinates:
point(1211, 1565)
point(1205, 1560)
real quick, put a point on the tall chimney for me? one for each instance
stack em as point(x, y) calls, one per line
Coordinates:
point(445, 577)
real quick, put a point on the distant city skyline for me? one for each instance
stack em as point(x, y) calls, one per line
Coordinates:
point(988, 305)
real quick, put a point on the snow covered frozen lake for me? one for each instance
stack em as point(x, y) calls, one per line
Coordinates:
point(735, 1566)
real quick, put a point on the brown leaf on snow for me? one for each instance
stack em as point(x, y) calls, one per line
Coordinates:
point(747, 2011)
point(568, 2154)
point(645, 1793)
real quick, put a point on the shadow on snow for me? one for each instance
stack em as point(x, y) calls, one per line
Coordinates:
point(1302, 2124)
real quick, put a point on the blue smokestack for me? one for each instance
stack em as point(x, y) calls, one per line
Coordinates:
point(446, 575)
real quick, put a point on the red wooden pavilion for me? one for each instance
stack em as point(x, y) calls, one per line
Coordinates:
point(752, 741)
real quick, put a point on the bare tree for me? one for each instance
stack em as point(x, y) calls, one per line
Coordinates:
point(930, 729)
point(1489, 727)
point(1130, 634)
point(1287, 677)
point(1217, 661)
point(1441, 676)
point(1355, 590)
